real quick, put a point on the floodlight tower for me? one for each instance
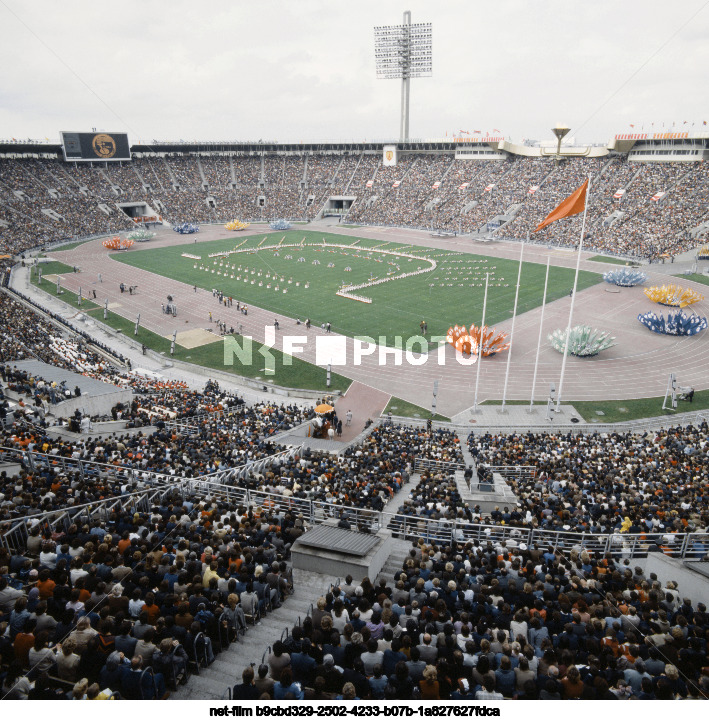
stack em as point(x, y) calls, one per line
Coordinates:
point(403, 51)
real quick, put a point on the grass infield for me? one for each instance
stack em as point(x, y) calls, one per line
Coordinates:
point(610, 259)
point(452, 293)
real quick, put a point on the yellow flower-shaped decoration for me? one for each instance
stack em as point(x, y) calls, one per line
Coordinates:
point(673, 295)
point(236, 225)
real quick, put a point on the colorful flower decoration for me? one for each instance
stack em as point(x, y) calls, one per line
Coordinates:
point(625, 277)
point(141, 235)
point(673, 295)
point(678, 323)
point(703, 253)
point(186, 228)
point(584, 341)
point(118, 243)
point(281, 224)
point(468, 342)
point(236, 225)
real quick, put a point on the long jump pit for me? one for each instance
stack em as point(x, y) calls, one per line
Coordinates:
point(194, 338)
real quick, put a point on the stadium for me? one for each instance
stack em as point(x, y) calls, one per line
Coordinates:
point(257, 445)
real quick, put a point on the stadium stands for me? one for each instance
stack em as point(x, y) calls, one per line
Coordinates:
point(146, 554)
point(43, 200)
point(148, 545)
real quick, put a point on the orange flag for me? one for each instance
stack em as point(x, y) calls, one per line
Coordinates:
point(573, 205)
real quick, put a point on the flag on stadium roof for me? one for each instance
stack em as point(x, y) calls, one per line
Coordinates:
point(573, 205)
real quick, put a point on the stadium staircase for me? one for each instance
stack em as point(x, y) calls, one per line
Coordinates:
point(147, 187)
point(157, 177)
point(212, 682)
point(232, 172)
point(116, 189)
point(509, 215)
point(173, 177)
point(395, 561)
point(699, 230)
point(205, 184)
point(354, 172)
point(333, 179)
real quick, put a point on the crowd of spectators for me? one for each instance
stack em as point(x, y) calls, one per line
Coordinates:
point(481, 622)
point(96, 605)
point(604, 483)
point(43, 200)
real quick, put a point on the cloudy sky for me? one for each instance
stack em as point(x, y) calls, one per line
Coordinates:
point(304, 70)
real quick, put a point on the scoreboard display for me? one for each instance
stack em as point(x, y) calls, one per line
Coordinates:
point(95, 146)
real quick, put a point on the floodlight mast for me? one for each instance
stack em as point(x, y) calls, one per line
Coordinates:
point(403, 51)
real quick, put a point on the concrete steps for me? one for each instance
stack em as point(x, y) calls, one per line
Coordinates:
point(212, 683)
point(394, 564)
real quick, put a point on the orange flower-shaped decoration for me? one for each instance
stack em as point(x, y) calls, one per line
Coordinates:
point(118, 243)
point(493, 341)
point(459, 338)
point(468, 342)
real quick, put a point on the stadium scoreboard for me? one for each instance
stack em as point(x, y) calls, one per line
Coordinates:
point(84, 147)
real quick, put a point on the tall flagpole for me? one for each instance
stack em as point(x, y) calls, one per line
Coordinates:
point(512, 330)
point(480, 345)
point(573, 296)
point(539, 341)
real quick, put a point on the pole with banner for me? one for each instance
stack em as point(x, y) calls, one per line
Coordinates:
point(172, 345)
point(435, 397)
point(573, 299)
point(137, 323)
point(105, 309)
point(573, 205)
point(58, 286)
point(78, 297)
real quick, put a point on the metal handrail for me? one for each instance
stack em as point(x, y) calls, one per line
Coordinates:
point(428, 464)
point(525, 472)
point(443, 531)
point(195, 420)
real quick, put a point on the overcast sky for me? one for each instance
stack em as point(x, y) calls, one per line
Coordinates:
point(304, 70)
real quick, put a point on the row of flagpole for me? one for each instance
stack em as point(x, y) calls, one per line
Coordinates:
point(576, 203)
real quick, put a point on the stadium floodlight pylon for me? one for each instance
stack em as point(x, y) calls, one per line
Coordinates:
point(403, 51)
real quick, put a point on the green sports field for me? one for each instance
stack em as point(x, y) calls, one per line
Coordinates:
point(451, 293)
